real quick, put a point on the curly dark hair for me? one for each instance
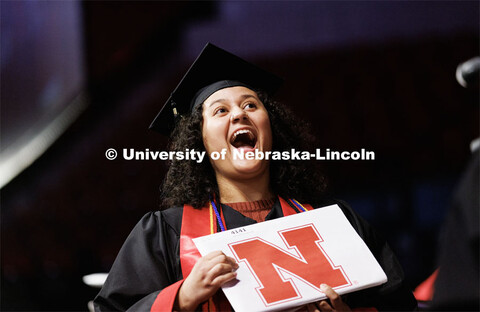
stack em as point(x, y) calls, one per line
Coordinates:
point(189, 182)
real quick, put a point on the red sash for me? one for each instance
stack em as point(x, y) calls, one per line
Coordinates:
point(201, 222)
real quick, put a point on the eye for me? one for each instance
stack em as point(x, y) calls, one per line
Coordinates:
point(219, 110)
point(250, 105)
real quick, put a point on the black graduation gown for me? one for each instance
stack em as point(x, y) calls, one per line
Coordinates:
point(147, 269)
point(457, 287)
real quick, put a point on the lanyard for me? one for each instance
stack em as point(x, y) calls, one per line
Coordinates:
point(219, 219)
point(213, 209)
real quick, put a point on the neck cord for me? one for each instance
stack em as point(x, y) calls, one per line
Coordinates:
point(223, 227)
point(219, 219)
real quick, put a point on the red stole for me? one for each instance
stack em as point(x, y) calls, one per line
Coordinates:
point(200, 222)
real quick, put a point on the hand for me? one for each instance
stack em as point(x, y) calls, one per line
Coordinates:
point(208, 274)
point(336, 303)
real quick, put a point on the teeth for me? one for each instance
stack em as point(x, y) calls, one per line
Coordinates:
point(241, 132)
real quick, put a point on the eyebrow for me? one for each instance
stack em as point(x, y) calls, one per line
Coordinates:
point(243, 98)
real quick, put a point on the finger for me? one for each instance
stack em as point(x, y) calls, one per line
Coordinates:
point(213, 254)
point(324, 306)
point(222, 279)
point(335, 299)
point(233, 262)
point(217, 270)
point(222, 258)
point(312, 307)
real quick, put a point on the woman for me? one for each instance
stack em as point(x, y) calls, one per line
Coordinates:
point(223, 109)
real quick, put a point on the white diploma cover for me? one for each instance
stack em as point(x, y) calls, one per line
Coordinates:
point(282, 262)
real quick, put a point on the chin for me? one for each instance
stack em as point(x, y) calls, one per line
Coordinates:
point(250, 167)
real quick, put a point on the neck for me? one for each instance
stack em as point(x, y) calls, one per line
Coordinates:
point(235, 191)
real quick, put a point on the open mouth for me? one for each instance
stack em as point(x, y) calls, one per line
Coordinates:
point(243, 138)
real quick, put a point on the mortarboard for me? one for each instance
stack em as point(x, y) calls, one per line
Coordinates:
point(213, 70)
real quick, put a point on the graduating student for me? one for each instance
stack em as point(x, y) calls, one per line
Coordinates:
point(224, 103)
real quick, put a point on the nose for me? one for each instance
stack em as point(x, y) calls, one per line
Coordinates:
point(238, 115)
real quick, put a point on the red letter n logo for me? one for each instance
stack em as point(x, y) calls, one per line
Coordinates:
point(307, 262)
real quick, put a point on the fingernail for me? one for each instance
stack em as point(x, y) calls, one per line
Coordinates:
point(323, 287)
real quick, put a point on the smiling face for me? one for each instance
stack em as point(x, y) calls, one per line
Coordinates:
point(233, 119)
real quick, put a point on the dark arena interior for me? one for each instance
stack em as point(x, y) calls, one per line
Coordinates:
point(81, 77)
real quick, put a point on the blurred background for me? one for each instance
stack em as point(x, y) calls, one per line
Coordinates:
point(79, 77)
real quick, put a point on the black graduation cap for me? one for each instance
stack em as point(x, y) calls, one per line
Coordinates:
point(211, 66)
